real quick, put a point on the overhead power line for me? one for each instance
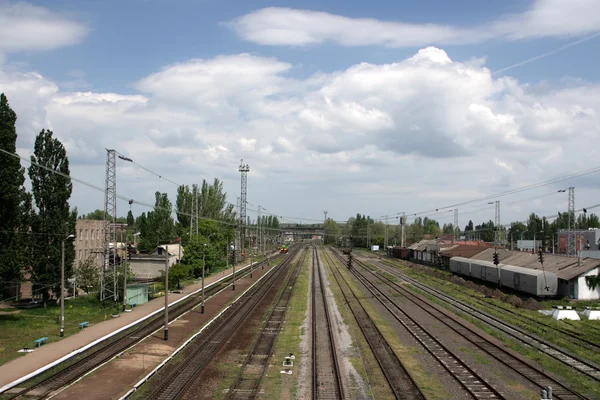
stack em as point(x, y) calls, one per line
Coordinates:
point(513, 191)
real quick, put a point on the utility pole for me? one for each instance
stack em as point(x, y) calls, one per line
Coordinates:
point(571, 245)
point(125, 268)
point(456, 230)
point(244, 169)
point(258, 231)
point(62, 288)
point(193, 209)
point(237, 233)
point(403, 223)
point(166, 329)
point(203, 268)
point(324, 222)
point(233, 260)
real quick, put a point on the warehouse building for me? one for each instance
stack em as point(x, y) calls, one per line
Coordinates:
point(570, 271)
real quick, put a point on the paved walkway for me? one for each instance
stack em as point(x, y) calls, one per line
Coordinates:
point(50, 352)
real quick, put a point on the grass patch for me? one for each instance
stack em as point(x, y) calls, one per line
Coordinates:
point(276, 385)
point(20, 329)
point(524, 319)
point(563, 373)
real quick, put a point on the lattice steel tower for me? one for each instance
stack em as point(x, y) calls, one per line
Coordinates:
point(497, 238)
point(108, 281)
point(244, 169)
point(571, 246)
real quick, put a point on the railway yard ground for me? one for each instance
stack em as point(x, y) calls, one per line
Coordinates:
point(309, 326)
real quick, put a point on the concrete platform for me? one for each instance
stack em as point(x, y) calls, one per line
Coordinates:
point(54, 351)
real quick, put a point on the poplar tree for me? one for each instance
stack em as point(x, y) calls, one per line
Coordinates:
point(53, 221)
point(14, 202)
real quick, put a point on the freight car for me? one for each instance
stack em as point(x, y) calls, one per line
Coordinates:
point(399, 252)
point(533, 281)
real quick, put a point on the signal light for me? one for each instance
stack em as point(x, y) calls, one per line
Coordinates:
point(496, 259)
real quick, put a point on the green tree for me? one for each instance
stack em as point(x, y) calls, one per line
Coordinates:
point(177, 273)
point(184, 207)
point(53, 222)
point(157, 227)
point(130, 219)
point(332, 231)
point(213, 202)
point(97, 215)
point(15, 202)
point(87, 275)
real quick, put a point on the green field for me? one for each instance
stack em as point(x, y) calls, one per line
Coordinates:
point(21, 327)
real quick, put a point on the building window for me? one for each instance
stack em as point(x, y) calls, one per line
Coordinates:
point(80, 254)
point(81, 234)
point(86, 234)
point(92, 235)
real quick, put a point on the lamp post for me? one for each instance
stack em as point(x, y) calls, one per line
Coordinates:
point(203, 267)
point(233, 262)
point(62, 287)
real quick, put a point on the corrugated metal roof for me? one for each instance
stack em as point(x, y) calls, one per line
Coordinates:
point(564, 267)
point(463, 250)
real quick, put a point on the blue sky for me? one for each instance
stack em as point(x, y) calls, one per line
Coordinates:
point(130, 39)
point(349, 106)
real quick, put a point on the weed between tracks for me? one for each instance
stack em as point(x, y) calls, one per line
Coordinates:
point(568, 376)
point(229, 363)
point(475, 299)
point(275, 384)
point(430, 386)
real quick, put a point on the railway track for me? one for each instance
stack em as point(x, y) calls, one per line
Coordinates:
point(468, 378)
point(529, 372)
point(327, 380)
point(104, 351)
point(400, 381)
point(585, 367)
point(570, 334)
point(247, 383)
point(179, 381)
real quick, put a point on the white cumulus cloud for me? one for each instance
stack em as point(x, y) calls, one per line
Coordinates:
point(425, 124)
point(276, 26)
point(24, 27)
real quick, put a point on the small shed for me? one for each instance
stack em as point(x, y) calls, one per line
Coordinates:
point(137, 293)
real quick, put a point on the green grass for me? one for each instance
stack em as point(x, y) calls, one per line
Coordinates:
point(276, 385)
point(20, 328)
point(478, 300)
point(428, 384)
point(565, 374)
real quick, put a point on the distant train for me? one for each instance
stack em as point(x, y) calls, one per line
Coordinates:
point(532, 281)
point(283, 248)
